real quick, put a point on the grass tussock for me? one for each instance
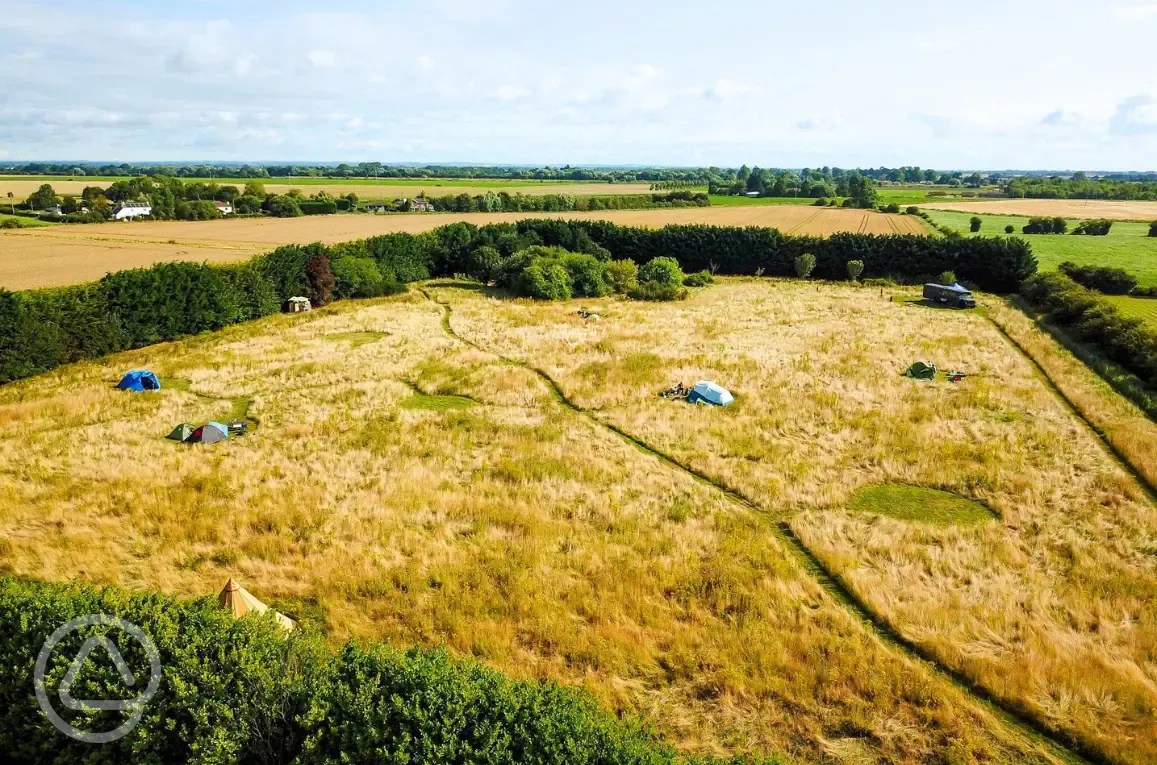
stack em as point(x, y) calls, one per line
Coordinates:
point(520, 533)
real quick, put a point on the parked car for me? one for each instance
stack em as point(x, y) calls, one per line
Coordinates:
point(954, 295)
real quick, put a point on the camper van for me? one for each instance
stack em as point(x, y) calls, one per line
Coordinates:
point(954, 295)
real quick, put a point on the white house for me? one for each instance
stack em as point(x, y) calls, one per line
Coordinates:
point(224, 208)
point(127, 210)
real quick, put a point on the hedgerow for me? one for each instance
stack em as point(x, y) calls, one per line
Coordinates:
point(242, 691)
point(1129, 341)
point(42, 329)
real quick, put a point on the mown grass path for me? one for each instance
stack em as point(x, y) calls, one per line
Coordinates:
point(1055, 742)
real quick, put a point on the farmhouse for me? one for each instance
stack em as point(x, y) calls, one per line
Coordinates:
point(417, 204)
point(127, 210)
point(224, 208)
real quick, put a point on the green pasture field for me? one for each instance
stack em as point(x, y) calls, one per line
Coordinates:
point(1142, 308)
point(728, 201)
point(1127, 246)
point(25, 222)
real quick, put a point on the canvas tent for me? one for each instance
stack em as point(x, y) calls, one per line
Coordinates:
point(922, 370)
point(710, 393)
point(240, 601)
point(182, 432)
point(210, 433)
point(139, 380)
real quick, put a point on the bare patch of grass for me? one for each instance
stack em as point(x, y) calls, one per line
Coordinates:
point(919, 505)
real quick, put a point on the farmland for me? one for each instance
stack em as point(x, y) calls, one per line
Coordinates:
point(58, 255)
point(366, 188)
point(401, 484)
point(1064, 208)
point(1128, 245)
point(1142, 308)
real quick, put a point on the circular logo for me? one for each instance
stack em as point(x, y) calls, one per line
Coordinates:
point(135, 707)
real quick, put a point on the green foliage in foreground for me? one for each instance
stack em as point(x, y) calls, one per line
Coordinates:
point(240, 691)
point(920, 505)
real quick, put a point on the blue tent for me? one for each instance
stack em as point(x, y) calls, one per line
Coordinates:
point(710, 393)
point(139, 380)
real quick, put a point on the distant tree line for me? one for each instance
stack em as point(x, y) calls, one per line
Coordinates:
point(1080, 186)
point(808, 183)
point(504, 202)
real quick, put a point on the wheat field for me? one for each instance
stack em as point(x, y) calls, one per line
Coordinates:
point(1064, 208)
point(519, 532)
point(52, 256)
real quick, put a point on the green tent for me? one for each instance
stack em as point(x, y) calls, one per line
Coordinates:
point(922, 370)
point(181, 432)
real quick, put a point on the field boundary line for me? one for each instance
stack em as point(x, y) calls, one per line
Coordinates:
point(1116, 455)
point(1059, 743)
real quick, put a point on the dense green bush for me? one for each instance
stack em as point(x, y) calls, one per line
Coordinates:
point(1098, 227)
point(855, 269)
point(1129, 341)
point(1009, 229)
point(545, 279)
point(699, 279)
point(354, 276)
point(1104, 279)
point(623, 276)
point(317, 206)
point(913, 210)
point(661, 270)
point(891, 208)
point(974, 224)
point(659, 291)
point(588, 274)
point(1046, 226)
point(1153, 228)
point(242, 692)
point(804, 265)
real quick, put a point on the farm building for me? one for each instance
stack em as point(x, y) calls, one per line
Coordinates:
point(297, 305)
point(225, 208)
point(417, 204)
point(128, 210)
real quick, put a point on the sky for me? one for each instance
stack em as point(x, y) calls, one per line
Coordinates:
point(980, 85)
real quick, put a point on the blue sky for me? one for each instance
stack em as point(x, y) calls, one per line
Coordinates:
point(1023, 84)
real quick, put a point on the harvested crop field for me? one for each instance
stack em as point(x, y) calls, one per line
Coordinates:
point(401, 484)
point(58, 255)
point(365, 190)
point(1064, 208)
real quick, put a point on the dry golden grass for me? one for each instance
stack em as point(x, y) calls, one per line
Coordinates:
point(517, 531)
point(57, 255)
point(383, 190)
point(1065, 208)
point(1054, 607)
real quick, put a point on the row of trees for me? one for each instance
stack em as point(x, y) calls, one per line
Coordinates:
point(1079, 186)
point(815, 184)
point(504, 202)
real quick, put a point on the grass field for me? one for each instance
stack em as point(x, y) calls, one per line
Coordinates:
point(1142, 308)
point(1127, 246)
point(70, 254)
point(1064, 208)
point(369, 189)
point(402, 485)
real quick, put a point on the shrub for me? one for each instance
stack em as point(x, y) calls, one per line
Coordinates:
point(855, 268)
point(1098, 227)
point(544, 280)
point(1046, 226)
point(284, 207)
point(849, 203)
point(804, 264)
point(658, 291)
point(821, 202)
point(1129, 341)
point(974, 224)
point(588, 274)
point(353, 277)
point(892, 208)
point(1153, 228)
point(833, 203)
point(317, 206)
point(913, 210)
point(623, 275)
point(485, 264)
point(1009, 229)
point(661, 270)
point(11, 223)
point(699, 279)
point(1110, 281)
point(948, 277)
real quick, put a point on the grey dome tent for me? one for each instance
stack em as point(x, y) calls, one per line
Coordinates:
point(210, 433)
point(710, 393)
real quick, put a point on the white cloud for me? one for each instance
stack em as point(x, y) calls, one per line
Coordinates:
point(323, 59)
point(1135, 12)
point(510, 93)
point(725, 88)
point(425, 63)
